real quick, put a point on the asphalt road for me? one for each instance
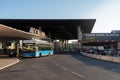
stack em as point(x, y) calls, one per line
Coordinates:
point(62, 67)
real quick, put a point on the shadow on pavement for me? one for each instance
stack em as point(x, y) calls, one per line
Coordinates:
point(4, 56)
point(115, 67)
point(12, 71)
point(98, 63)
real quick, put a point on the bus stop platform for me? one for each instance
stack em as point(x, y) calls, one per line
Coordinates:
point(6, 61)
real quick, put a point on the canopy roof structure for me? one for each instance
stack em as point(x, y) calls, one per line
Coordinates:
point(8, 33)
point(58, 28)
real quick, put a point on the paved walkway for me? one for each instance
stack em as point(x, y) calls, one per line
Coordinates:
point(6, 61)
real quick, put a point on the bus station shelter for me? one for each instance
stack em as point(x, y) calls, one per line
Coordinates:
point(56, 28)
point(62, 29)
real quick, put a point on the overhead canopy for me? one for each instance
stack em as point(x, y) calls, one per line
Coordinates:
point(60, 28)
point(8, 33)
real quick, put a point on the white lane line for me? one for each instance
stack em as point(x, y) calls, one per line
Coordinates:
point(77, 74)
point(10, 64)
point(57, 64)
point(64, 68)
point(53, 61)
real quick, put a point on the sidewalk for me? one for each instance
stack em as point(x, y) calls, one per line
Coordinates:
point(6, 61)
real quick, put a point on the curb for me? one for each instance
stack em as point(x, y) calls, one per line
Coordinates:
point(10, 64)
point(103, 58)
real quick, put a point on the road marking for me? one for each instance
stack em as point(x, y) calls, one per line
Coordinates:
point(64, 68)
point(77, 74)
point(57, 64)
point(10, 64)
point(53, 61)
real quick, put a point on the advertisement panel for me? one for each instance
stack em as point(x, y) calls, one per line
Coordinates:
point(101, 37)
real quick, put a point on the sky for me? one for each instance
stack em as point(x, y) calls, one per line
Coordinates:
point(106, 12)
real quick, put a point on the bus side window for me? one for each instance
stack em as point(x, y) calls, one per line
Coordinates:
point(36, 48)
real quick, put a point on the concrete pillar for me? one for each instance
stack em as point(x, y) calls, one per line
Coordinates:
point(18, 46)
point(0, 45)
point(4, 47)
point(67, 44)
point(79, 37)
point(118, 45)
point(21, 44)
point(112, 46)
point(60, 44)
point(63, 46)
point(79, 33)
point(55, 43)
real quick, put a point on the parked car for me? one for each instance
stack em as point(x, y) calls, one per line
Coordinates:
point(85, 50)
point(109, 51)
point(93, 50)
point(116, 52)
point(101, 52)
